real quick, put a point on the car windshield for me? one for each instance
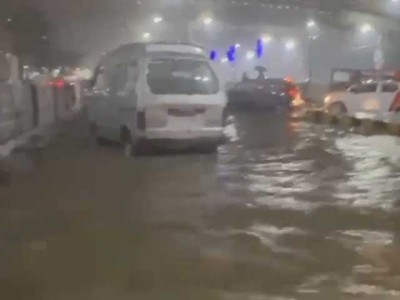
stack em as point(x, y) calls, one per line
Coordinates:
point(181, 76)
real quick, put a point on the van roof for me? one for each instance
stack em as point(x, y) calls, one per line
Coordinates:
point(160, 47)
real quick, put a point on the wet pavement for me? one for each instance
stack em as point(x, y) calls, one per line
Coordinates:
point(287, 210)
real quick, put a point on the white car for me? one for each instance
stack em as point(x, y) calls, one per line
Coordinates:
point(378, 100)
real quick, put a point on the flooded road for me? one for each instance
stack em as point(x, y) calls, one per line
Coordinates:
point(287, 210)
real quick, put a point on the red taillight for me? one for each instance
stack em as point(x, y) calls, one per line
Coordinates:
point(396, 103)
point(141, 120)
point(293, 92)
point(59, 83)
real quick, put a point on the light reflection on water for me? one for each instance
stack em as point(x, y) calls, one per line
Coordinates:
point(321, 187)
point(284, 211)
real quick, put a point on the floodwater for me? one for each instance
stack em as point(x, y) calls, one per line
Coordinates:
point(286, 210)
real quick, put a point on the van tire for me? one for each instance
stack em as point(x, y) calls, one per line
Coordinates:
point(130, 147)
point(93, 128)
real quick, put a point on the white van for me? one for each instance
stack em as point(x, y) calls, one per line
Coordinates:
point(166, 94)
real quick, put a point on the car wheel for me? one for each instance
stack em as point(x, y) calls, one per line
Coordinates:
point(396, 116)
point(337, 108)
point(209, 148)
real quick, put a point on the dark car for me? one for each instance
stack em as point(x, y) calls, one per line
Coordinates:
point(262, 93)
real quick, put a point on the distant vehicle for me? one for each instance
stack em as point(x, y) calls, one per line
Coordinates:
point(379, 100)
point(160, 94)
point(262, 92)
point(342, 79)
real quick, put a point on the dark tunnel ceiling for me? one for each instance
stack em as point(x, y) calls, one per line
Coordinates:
point(280, 12)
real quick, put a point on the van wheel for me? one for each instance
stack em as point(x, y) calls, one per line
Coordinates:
point(130, 147)
point(94, 132)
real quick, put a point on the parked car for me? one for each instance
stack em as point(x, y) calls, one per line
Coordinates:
point(10, 125)
point(262, 92)
point(158, 94)
point(379, 100)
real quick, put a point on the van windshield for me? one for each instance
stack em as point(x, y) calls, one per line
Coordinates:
point(181, 77)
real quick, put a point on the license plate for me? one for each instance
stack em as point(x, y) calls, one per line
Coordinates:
point(185, 123)
point(189, 112)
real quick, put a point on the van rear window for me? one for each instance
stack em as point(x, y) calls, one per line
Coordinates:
point(181, 77)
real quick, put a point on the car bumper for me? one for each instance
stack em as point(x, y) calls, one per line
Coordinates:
point(258, 100)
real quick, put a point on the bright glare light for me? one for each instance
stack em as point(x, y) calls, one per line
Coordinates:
point(311, 24)
point(224, 60)
point(208, 21)
point(366, 28)
point(146, 36)
point(290, 44)
point(237, 45)
point(157, 19)
point(327, 99)
point(250, 55)
point(266, 38)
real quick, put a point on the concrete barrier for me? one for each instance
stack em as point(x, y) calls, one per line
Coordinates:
point(364, 126)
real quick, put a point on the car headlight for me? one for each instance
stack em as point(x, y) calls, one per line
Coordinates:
point(327, 99)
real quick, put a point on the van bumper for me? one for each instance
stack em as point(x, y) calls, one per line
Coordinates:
point(183, 139)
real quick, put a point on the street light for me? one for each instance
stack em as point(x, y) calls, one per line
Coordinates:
point(207, 21)
point(157, 19)
point(366, 28)
point(237, 45)
point(311, 24)
point(266, 38)
point(224, 60)
point(146, 36)
point(290, 44)
point(250, 55)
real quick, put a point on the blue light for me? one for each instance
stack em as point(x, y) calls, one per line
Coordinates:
point(259, 48)
point(231, 53)
point(213, 55)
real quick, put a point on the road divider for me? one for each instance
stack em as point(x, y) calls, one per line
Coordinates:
point(363, 126)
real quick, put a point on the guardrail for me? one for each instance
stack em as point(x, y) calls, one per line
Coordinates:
point(362, 126)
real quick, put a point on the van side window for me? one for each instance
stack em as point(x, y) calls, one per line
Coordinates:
point(102, 80)
point(120, 79)
point(126, 77)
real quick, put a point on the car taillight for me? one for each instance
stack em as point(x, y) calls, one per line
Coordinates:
point(293, 92)
point(141, 120)
point(59, 83)
point(396, 103)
